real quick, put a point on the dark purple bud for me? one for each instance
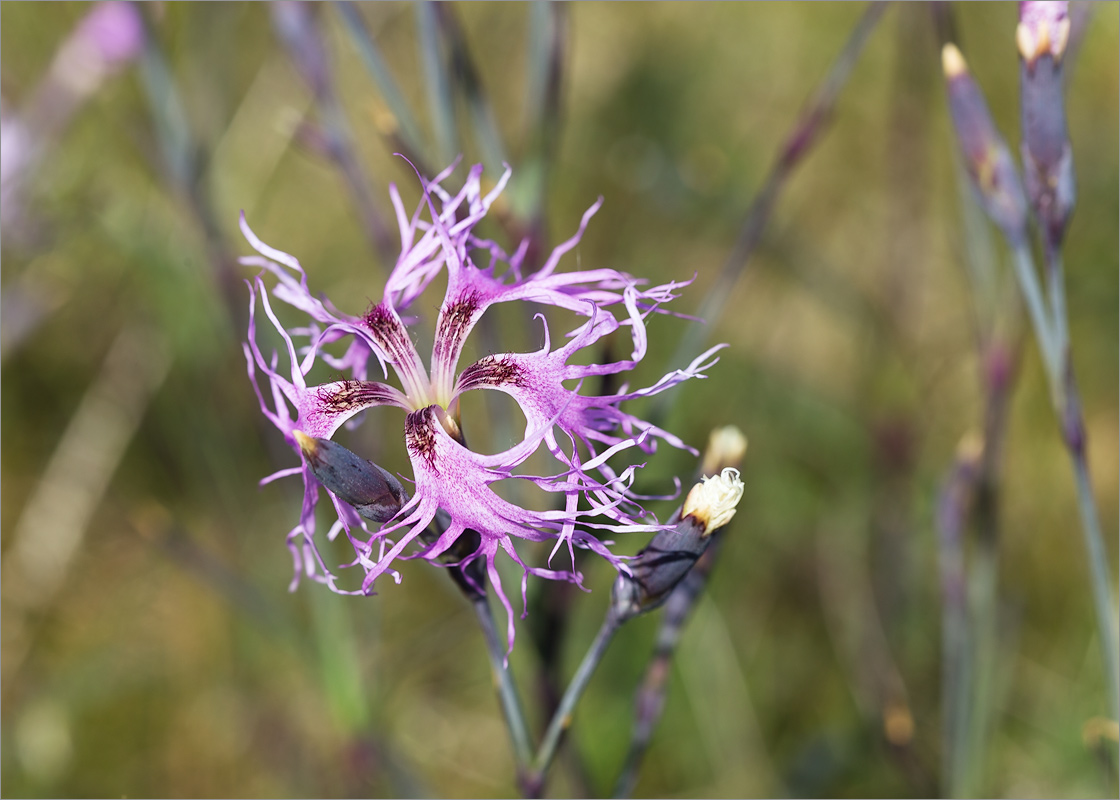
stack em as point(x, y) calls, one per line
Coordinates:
point(659, 568)
point(374, 493)
point(667, 559)
point(1047, 157)
point(986, 155)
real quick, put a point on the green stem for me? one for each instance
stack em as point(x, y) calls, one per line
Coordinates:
point(1056, 283)
point(562, 718)
point(507, 689)
point(370, 54)
point(1053, 341)
point(1036, 308)
point(806, 132)
point(441, 103)
point(1100, 579)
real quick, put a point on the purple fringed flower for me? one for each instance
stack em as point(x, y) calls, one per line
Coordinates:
point(437, 238)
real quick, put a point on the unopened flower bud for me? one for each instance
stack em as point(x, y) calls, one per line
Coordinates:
point(374, 493)
point(986, 155)
point(658, 569)
point(1047, 156)
point(726, 448)
point(1043, 29)
point(712, 502)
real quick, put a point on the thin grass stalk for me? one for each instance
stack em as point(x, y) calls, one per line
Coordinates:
point(411, 134)
point(298, 28)
point(464, 72)
point(548, 35)
point(969, 504)
point(183, 167)
point(1067, 407)
point(441, 103)
point(1042, 37)
point(806, 132)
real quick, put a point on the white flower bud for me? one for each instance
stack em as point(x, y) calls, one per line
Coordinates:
point(726, 447)
point(713, 500)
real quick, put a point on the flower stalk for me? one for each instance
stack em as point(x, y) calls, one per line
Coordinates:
point(806, 132)
point(725, 450)
point(651, 580)
point(1041, 37)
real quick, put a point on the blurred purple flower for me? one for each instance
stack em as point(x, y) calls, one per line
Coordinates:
point(104, 42)
point(447, 474)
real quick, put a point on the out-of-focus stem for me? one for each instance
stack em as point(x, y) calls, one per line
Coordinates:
point(1027, 277)
point(1055, 275)
point(548, 35)
point(299, 30)
point(812, 122)
point(1098, 568)
point(1067, 407)
point(1042, 38)
point(956, 661)
point(503, 679)
point(440, 101)
point(182, 161)
point(375, 64)
point(463, 70)
point(562, 718)
point(983, 585)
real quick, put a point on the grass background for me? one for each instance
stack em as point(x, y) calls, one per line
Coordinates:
point(174, 662)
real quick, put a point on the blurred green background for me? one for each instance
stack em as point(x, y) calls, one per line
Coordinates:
point(150, 645)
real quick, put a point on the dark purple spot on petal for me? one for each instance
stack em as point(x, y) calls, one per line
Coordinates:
point(351, 395)
point(420, 436)
point(456, 318)
point(493, 371)
point(388, 331)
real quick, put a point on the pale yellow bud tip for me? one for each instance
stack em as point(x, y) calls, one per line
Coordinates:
point(1044, 40)
point(726, 448)
point(713, 500)
point(1099, 730)
point(952, 62)
point(1025, 41)
point(307, 444)
point(971, 447)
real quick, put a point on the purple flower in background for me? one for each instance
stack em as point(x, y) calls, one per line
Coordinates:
point(107, 39)
point(581, 431)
